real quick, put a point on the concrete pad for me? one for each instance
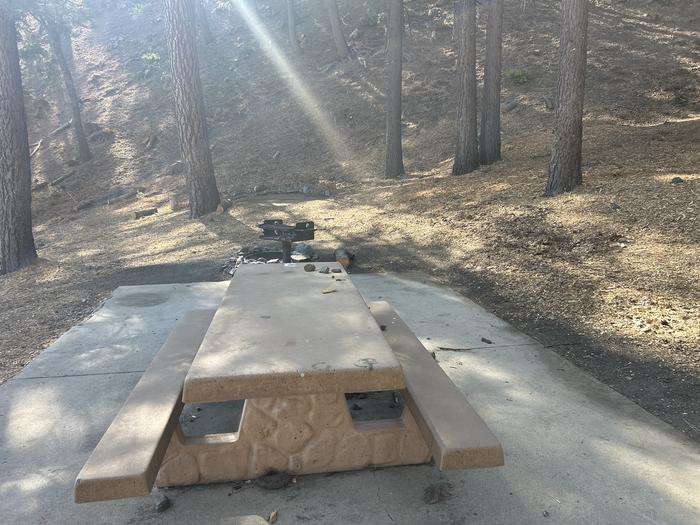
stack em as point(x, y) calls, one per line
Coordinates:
point(576, 451)
point(440, 317)
point(126, 334)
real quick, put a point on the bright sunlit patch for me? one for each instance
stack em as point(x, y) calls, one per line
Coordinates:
point(289, 76)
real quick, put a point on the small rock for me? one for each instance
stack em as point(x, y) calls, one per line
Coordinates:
point(545, 514)
point(328, 290)
point(510, 106)
point(677, 180)
point(273, 517)
point(161, 502)
point(274, 481)
point(487, 341)
point(309, 267)
point(615, 206)
point(176, 168)
point(304, 249)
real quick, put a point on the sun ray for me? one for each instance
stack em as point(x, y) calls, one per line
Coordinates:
point(308, 101)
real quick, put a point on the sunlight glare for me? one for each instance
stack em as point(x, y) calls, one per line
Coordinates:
point(298, 89)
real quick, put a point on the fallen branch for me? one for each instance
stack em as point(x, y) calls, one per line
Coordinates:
point(145, 213)
point(344, 257)
point(37, 145)
point(60, 128)
point(36, 148)
point(62, 178)
point(111, 198)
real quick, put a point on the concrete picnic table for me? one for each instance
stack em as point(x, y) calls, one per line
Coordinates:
point(281, 330)
point(291, 343)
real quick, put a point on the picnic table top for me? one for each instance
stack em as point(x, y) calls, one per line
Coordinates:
point(281, 331)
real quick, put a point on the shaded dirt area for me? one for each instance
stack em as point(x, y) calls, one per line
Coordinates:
point(607, 276)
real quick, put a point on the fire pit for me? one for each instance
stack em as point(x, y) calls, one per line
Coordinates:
point(286, 234)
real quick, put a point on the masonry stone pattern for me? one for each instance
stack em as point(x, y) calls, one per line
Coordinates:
point(296, 434)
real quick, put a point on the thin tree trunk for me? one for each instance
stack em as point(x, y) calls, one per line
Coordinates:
point(490, 135)
point(337, 29)
point(292, 27)
point(67, 46)
point(394, 57)
point(189, 106)
point(203, 19)
point(16, 239)
point(58, 41)
point(467, 151)
point(565, 163)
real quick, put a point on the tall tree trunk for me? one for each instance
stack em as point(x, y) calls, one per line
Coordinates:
point(189, 106)
point(490, 135)
point(467, 151)
point(16, 239)
point(565, 163)
point(292, 27)
point(394, 57)
point(58, 41)
point(203, 20)
point(67, 46)
point(337, 29)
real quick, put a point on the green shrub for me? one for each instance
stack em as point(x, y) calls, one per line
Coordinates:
point(517, 76)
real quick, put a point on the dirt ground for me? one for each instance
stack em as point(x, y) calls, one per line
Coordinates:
point(608, 275)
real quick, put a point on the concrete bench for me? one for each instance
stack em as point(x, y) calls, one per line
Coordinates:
point(125, 462)
point(295, 417)
point(458, 438)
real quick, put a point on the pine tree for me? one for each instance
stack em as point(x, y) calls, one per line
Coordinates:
point(16, 240)
point(565, 163)
point(189, 106)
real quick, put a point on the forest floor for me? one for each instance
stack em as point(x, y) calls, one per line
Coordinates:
point(608, 275)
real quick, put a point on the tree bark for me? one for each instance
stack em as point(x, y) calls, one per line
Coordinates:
point(58, 40)
point(337, 29)
point(189, 107)
point(394, 57)
point(16, 239)
point(490, 134)
point(203, 20)
point(565, 163)
point(292, 27)
point(467, 150)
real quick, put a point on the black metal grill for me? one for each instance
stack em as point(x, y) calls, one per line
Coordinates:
point(286, 234)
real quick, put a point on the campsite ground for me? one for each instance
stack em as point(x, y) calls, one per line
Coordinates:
point(608, 275)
